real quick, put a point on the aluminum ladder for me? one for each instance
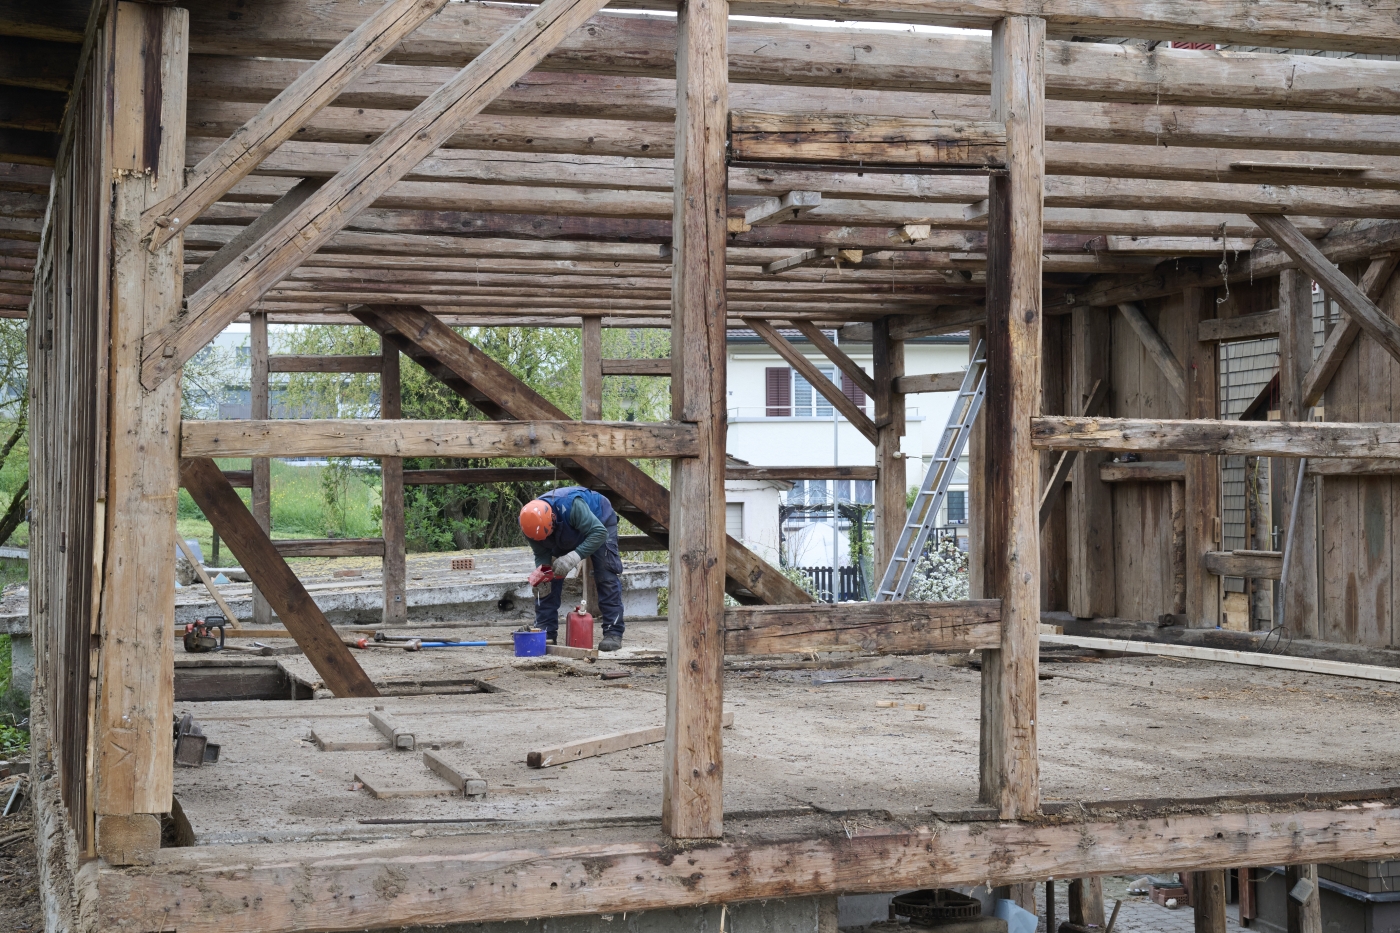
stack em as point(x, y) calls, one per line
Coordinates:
point(929, 501)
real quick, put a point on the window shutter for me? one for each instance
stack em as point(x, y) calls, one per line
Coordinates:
point(852, 391)
point(779, 383)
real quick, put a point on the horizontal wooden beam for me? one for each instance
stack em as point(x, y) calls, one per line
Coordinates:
point(471, 476)
point(1346, 467)
point(387, 438)
point(1244, 327)
point(1145, 471)
point(1258, 565)
point(884, 627)
point(330, 547)
point(1250, 438)
point(658, 367)
point(517, 878)
point(844, 139)
point(290, 363)
point(763, 56)
point(933, 382)
point(800, 472)
point(1374, 672)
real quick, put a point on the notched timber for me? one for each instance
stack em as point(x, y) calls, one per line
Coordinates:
point(884, 627)
point(1251, 438)
point(868, 141)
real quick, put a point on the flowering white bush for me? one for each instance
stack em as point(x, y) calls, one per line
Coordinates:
point(941, 574)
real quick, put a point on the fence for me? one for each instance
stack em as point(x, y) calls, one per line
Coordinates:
point(852, 582)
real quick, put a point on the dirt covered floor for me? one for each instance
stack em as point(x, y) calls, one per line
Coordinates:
point(1125, 728)
point(19, 868)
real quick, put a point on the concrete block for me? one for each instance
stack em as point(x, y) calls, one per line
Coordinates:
point(22, 663)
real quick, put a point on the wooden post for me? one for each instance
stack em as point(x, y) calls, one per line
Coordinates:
point(1202, 486)
point(891, 474)
point(591, 410)
point(1054, 566)
point(976, 487)
point(1307, 916)
point(1086, 902)
point(391, 521)
point(260, 407)
point(1208, 900)
point(1090, 532)
point(1295, 345)
point(1010, 777)
point(135, 698)
point(692, 775)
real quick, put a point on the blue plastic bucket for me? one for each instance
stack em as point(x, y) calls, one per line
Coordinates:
point(529, 644)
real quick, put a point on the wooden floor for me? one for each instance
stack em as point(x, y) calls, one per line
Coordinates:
point(1112, 729)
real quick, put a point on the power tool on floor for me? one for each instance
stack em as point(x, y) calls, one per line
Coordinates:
point(199, 636)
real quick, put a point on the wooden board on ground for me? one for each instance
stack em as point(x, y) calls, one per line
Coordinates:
point(457, 770)
point(1225, 655)
point(357, 735)
point(601, 745)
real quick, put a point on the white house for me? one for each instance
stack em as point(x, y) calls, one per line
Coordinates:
point(776, 419)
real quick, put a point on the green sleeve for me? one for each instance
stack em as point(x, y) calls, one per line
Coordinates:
point(542, 555)
point(587, 524)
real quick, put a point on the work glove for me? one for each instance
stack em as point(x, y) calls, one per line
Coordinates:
point(563, 565)
point(542, 581)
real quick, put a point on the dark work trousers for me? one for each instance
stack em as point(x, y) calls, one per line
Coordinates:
point(607, 567)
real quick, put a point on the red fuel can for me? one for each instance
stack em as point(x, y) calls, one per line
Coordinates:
point(580, 630)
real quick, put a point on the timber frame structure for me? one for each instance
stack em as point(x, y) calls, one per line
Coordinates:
point(1101, 214)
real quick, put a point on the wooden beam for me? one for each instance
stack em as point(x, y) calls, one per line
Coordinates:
point(1178, 245)
point(819, 381)
point(1301, 603)
point(1344, 467)
point(368, 438)
point(935, 382)
point(818, 338)
point(280, 119)
point(1065, 464)
point(1344, 334)
point(692, 775)
point(873, 860)
point(471, 476)
point(290, 363)
point(1302, 915)
point(1251, 438)
point(133, 700)
point(338, 669)
point(385, 161)
point(1258, 565)
point(248, 236)
point(601, 745)
point(780, 210)
point(1009, 764)
point(881, 627)
point(800, 472)
point(1089, 527)
point(841, 139)
point(657, 367)
point(1355, 302)
point(330, 547)
point(209, 585)
point(392, 519)
point(1156, 348)
point(892, 480)
point(1208, 901)
point(1144, 471)
point(1244, 327)
point(260, 474)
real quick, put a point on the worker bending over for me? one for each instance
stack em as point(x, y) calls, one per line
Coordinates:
point(565, 527)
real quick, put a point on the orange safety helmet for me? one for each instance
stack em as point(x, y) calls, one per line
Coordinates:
point(537, 520)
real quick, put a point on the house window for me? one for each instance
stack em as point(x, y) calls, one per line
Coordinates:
point(734, 519)
point(865, 491)
point(956, 507)
point(790, 394)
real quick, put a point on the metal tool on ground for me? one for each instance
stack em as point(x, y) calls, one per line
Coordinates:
point(866, 680)
point(192, 748)
point(929, 500)
point(200, 638)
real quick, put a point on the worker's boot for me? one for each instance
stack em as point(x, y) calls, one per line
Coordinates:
point(610, 643)
point(552, 637)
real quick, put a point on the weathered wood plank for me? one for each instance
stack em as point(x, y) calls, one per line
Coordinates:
point(1353, 467)
point(1253, 438)
point(1090, 532)
point(1147, 471)
point(384, 161)
point(883, 627)
point(660, 367)
point(1010, 767)
point(892, 480)
point(602, 745)
point(1202, 484)
point(1344, 334)
point(850, 139)
point(366, 438)
point(1258, 565)
point(1060, 474)
point(933, 382)
point(330, 547)
point(339, 670)
point(800, 472)
point(1244, 327)
point(467, 476)
point(818, 338)
point(871, 861)
point(295, 363)
point(1156, 347)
